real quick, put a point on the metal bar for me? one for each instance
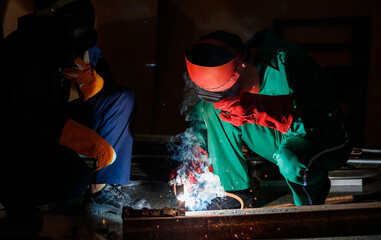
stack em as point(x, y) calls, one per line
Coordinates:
point(369, 150)
point(334, 182)
point(307, 221)
point(332, 200)
point(346, 182)
point(155, 138)
point(266, 210)
point(150, 156)
point(350, 160)
point(364, 161)
point(359, 173)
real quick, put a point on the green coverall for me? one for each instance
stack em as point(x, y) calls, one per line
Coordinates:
point(315, 144)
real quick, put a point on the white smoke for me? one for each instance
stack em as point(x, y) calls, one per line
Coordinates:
point(207, 187)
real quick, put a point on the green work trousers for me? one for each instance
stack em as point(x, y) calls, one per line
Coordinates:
point(304, 163)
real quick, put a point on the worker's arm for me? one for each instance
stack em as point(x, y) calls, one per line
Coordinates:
point(268, 111)
point(197, 124)
point(87, 143)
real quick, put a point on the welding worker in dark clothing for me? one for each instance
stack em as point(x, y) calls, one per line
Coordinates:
point(51, 51)
point(270, 95)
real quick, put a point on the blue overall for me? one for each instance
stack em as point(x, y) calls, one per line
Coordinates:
point(111, 114)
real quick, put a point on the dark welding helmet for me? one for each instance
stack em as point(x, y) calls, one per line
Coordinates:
point(73, 21)
point(214, 83)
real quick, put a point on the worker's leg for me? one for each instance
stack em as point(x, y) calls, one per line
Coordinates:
point(111, 114)
point(225, 147)
point(305, 164)
point(225, 151)
point(261, 140)
point(292, 159)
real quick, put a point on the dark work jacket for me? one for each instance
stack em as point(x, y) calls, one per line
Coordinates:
point(39, 92)
point(30, 63)
point(29, 66)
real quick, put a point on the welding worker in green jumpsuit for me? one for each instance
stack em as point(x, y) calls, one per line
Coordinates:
point(272, 96)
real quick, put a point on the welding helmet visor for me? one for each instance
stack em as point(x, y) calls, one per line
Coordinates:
point(214, 83)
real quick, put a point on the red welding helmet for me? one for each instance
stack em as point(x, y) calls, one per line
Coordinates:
point(216, 78)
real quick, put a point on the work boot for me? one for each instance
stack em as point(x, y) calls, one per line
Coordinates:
point(111, 199)
point(230, 202)
point(323, 193)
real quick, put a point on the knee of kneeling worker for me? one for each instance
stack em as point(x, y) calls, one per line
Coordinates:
point(289, 165)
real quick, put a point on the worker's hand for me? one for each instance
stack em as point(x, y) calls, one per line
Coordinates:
point(88, 143)
point(269, 111)
point(89, 82)
point(191, 168)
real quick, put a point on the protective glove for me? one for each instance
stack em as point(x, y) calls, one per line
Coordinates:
point(87, 142)
point(275, 112)
point(191, 168)
point(89, 82)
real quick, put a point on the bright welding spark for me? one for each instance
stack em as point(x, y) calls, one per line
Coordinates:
point(199, 195)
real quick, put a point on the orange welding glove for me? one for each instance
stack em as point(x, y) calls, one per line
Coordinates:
point(89, 82)
point(87, 142)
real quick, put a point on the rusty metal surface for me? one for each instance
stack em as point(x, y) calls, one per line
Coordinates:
point(308, 221)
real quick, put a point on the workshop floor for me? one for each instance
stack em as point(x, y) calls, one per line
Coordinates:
point(66, 220)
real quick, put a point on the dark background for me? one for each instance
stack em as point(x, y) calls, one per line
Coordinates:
point(343, 36)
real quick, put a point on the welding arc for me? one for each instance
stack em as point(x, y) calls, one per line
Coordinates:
point(226, 193)
point(236, 198)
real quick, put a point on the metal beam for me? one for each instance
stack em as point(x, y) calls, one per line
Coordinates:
point(364, 161)
point(307, 221)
